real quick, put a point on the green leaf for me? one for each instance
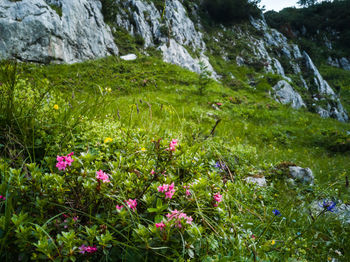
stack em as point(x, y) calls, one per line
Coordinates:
point(158, 219)
point(152, 210)
point(159, 203)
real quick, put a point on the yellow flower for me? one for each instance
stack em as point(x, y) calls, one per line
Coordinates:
point(261, 197)
point(108, 139)
point(55, 107)
point(273, 242)
point(143, 149)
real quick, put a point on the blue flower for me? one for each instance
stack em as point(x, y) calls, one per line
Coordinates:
point(276, 212)
point(328, 205)
point(220, 165)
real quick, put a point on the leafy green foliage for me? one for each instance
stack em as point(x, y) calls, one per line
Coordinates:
point(324, 17)
point(228, 11)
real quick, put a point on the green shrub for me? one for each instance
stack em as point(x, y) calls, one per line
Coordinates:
point(228, 11)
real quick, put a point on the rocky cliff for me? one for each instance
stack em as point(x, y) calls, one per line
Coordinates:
point(53, 31)
point(72, 31)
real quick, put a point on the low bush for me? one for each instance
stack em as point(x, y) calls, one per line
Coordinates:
point(228, 11)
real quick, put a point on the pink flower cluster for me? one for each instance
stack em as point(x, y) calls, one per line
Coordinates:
point(64, 161)
point(100, 175)
point(178, 217)
point(217, 198)
point(2, 198)
point(132, 204)
point(87, 249)
point(160, 225)
point(168, 190)
point(173, 144)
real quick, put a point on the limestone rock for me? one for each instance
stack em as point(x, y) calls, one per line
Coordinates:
point(345, 63)
point(341, 210)
point(129, 57)
point(259, 181)
point(303, 175)
point(176, 54)
point(285, 94)
point(32, 31)
point(321, 84)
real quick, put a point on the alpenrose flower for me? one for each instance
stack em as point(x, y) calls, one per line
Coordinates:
point(160, 225)
point(64, 161)
point(102, 176)
point(119, 207)
point(173, 144)
point(132, 203)
point(188, 193)
point(87, 249)
point(218, 198)
point(176, 217)
point(168, 190)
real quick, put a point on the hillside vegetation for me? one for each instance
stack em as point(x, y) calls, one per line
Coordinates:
point(160, 158)
point(326, 20)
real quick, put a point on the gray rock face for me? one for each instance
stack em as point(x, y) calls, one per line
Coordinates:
point(285, 94)
point(170, 33)
point(340, 63)
point(322, 85)
point(303, 175)
point(31, 31)
point(176, 54)
point(345, 63)
point(334, 107)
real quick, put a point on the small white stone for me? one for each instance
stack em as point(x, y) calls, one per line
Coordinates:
point(129, 57)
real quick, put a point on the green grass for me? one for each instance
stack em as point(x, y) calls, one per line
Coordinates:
point(135, 102)
point(250, 116)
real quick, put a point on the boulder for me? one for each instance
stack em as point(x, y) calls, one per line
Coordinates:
point(300, 174)
point(285, 94)
point(259, 181)
point(54, 31)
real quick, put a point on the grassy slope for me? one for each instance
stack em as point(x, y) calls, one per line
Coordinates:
point(162, 100)
point(249, 117)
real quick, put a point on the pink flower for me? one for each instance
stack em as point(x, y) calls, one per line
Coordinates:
point(100, 175)
point(61, 165)
point(173, 144)
point(188, 193)
point(177, 218)
point(2, 198)
point(119, 207)
point(132, 204)
point(219, 104)
point(169, 194)
point(87, 249)
point(218, 198)
point(253, 237)
point(168, 190)
point(160, 225)
point(64, 161)
point(75, 219)
point(152, 172)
